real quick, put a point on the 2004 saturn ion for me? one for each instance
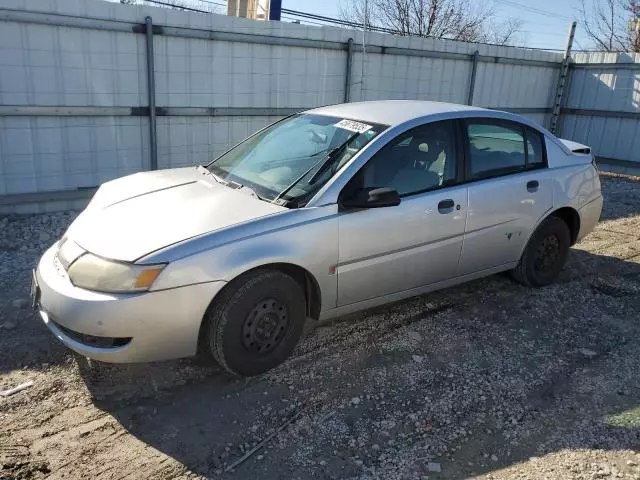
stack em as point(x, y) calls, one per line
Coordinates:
point(326, 212)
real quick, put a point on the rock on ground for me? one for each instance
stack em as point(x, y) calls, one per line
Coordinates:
point(502, 391)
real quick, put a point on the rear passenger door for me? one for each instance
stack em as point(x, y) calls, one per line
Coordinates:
point(509, 191)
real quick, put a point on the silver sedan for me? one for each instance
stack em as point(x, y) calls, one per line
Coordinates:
point(323, 213)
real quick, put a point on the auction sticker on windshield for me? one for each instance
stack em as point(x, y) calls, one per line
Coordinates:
point(353, 126)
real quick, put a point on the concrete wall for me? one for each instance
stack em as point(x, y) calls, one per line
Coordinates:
point(94, 59)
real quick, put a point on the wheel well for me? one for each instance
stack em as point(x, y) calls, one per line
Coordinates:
point(572, 219)
point(304, 278)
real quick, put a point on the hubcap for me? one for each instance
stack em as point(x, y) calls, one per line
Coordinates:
point(547, 253)
point(265, 326)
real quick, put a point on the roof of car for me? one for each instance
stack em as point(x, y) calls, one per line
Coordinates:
point(392, 112)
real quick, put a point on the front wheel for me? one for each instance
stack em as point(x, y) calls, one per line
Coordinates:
point(256, 323)
point(545, 254)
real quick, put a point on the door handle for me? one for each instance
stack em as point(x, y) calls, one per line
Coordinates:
point(446, 206)
point(533, 185)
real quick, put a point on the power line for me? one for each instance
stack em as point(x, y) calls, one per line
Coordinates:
point(539, 11)
point(548, 34)
point(337, 21)
point(309, 22)
point(181, 7)
point(321, 20)
point(185, 7)
point(331, 20)
point(306, 21)
point(213, 3)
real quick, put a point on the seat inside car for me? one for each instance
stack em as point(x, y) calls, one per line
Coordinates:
point(406, 166)
point(427, 155)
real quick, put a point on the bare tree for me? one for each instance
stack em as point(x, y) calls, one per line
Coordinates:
point(508, 32)
point(456, 19)
point(354, 11)
point(613, 25)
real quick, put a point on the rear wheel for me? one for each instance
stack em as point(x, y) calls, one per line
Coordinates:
point(256, 323)
point(545, 254)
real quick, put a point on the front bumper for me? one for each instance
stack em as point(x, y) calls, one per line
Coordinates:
point(149, 326)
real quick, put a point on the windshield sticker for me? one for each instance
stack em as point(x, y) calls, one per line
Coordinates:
point(353, 126)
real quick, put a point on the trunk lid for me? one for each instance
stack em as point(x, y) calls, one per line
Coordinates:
point(576, 147)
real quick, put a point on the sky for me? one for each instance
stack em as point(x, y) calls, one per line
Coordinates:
point(546, 22)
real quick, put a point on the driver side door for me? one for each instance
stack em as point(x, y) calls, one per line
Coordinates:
point(418, 242)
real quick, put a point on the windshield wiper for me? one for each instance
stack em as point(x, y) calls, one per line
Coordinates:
point(323, 164)
point(278, 160)
point(229, 183)
point(331, 156)
point(251, 191)
point(204, 169)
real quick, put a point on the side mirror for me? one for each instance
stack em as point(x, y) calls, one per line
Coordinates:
point(374, 197)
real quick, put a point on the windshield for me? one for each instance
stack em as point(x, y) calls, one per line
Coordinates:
point(290, 160)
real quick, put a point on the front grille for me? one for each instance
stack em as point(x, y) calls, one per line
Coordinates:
point(92, 340)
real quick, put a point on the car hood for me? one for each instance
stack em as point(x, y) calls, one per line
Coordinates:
point(133, 216)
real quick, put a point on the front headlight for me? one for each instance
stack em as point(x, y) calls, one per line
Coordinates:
point(95, 273)
point(68, 252)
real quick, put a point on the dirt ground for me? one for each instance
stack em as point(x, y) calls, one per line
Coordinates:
point(485, 380)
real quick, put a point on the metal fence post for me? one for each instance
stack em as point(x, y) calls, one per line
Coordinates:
point(151, 93)
point(562, 80)
point(472, 80)
point(347, 80)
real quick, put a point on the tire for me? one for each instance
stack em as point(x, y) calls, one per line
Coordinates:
point(545, 254)
point(256, 323)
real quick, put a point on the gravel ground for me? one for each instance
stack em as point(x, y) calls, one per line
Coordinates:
point(485, 380)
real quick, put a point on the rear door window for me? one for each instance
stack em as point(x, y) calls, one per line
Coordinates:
point(535, 149)
point(495, 149)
